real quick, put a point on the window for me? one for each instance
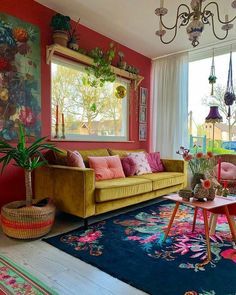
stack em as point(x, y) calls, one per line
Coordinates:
point(200, 101)
point(90, 114)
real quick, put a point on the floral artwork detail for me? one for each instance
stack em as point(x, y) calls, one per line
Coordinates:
point(86, 241)
point(20, 77)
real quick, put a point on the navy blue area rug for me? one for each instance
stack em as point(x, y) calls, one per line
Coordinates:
point(130, 247)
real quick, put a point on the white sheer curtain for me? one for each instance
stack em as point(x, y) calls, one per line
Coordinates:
point(169, 105)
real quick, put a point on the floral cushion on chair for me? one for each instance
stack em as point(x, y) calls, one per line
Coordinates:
point(142, 166)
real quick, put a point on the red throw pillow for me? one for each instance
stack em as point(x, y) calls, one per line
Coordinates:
point(155, 162)
point(74, 159)
point(129, 166)
point(106, 167)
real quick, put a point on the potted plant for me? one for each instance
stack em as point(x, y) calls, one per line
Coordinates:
point(26, 219)
point(101, 71)
point(61, 28)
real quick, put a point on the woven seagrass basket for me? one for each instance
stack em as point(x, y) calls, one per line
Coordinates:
point(27, 222)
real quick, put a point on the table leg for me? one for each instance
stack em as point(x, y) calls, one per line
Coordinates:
point(231, 223)
point(194, 218)
point(213, 221)
point(207, 239)
point(171, 220)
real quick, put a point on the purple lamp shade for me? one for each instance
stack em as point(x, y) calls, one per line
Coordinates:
point(214, 115)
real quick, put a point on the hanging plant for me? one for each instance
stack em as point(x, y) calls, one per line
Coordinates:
point(212, 78)
point(101, 71)
point(229, 96)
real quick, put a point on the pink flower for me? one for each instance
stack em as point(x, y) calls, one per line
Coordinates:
point(134, 238)
point(199, 155)
point(206, 183)
point(209, 154)
point(149, 240)
point(27, 116)
point(229, 254)
point(90, 237)
point(188, 158)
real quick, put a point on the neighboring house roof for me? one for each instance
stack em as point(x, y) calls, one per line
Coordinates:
point(225, 128)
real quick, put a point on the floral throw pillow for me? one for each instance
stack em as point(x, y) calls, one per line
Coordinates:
point(142, 166)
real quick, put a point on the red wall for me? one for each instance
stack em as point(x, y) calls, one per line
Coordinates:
point(12, 181)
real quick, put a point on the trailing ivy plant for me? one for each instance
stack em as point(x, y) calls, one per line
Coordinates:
point(101, 71)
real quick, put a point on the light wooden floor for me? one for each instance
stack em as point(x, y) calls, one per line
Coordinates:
point(60, 271)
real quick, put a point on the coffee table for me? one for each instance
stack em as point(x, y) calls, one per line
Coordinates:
point(205, 206)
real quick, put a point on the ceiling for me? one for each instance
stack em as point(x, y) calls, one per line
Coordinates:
point(133, 23)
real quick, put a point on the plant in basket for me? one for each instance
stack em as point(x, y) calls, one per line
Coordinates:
point(24, 219)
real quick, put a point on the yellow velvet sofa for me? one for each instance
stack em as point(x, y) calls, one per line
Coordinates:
point(75, 190)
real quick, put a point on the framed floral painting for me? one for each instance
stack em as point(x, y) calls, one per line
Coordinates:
point(20, 78)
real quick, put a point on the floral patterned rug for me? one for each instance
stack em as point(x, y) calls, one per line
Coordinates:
point(130, 247)
point(16, 281)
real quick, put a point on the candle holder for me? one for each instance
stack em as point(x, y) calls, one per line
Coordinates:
point(56, 131)
point(63, 131)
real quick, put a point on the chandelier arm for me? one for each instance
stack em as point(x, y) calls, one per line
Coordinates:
point(177, 17)
point(168, 42)
point(218, 13)
point(214, 32)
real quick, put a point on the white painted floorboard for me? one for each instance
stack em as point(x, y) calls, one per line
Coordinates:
point(62, 272)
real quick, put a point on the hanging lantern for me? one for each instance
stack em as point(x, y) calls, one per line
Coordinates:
point(229, 96)
point(212, 78)
point(120, 92)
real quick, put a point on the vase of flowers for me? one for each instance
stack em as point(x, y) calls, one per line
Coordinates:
point(199, 163)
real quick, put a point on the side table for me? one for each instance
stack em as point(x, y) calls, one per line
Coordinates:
point(218, 202)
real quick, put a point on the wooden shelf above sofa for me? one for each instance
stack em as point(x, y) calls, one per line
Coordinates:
point(74, 55)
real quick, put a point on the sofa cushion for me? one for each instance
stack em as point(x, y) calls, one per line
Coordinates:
point(106, 167)
point(163, 179)
point(56, 158)
point(129, 166)
point(155, 162)
point(123, 153)
point(74, 159)
point(93, 153)
point(142, 166)
point(119, 188)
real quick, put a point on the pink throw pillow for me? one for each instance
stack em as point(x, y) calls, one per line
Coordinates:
point(142, 166)
point(106, 167)
point(74, 159)
point(129, 166)
point(228, 170)
point(155, 162)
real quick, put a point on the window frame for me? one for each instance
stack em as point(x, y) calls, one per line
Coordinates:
point(93, 138)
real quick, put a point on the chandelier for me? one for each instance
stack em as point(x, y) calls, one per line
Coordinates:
point(194, 18)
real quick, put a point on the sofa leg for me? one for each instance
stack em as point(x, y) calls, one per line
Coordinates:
point(85, 223)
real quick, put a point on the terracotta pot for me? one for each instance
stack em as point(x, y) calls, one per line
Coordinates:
point(60, 37)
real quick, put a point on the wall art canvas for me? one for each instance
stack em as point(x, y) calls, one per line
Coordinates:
point(20, 78)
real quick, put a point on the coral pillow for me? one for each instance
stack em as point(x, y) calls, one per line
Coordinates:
point(106, 167)
point(74, 159)
point(228, 170)
point(155, 162)
point(142, 166)
point(129, 166)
